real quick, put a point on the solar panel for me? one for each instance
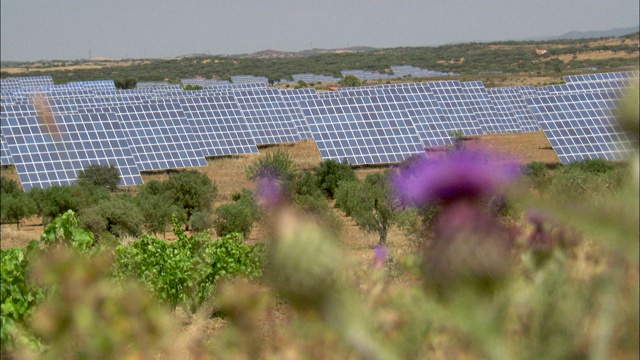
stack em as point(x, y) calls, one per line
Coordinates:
point(245, 79)
point(514, 98)
point(505, 120)
point(456, 106)
point(359, 130)
point(5, 155)
point(313, 78)
point(53, 150)
point(434, 129)
point(483, 108)
point(582, 126)
point(218, 123)
point(268, 116)
point(202, 82)
point(292, 99)
point(622, 75)
point(160, 136)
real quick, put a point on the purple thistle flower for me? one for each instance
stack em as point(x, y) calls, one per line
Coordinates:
point(380, 253)
point(269, 191)
point(462, 175)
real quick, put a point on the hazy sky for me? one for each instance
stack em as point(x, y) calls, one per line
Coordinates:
point(71, 29)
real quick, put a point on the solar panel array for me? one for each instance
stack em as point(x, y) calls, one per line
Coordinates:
point(402, 71)
point(582, 126)
point(247, 79)
point(313, 78)
point(161, 126)
point(456, 106)
point(219, 125)
point(5, 155)
point(359, 130)
point(203, 82)
point(493, 118)
point(268, 116)
point(513, 99)
point(52, 150)
point(434, 129)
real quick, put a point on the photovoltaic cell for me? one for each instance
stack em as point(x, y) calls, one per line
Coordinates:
point(359, 130)
point(582, 126)
point(218, 123)
point(160, 136)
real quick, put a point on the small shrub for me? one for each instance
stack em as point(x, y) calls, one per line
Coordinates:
point(104, 176)
point(306, 183)
point(201, 221)
point(537, 173)
point(236, 217)
point(318, 207)
point(592, 166)
point(16, 208)
point(122, 217)
point(330, 173)
point(9, 186)
point(278, 165)
point(191, 191)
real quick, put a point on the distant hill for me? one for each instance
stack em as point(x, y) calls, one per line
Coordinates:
point(270, 54)
point(592, 34)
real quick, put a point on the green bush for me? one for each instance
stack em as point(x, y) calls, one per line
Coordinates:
point(330, 173)
point(538, 175)
point(369, 203)
point(155, 206)
point(104, 176)
point(186, 271)
point(191, 191)
point(236, 217)
point(19, 296)
point(278, 164)
point(591, 166)
point(306, 183)
point(121, 215)
point(201, 221)
point(15, 208)
point(586, 179)
point(59, 199)
point(319, 208)
point(9, 186)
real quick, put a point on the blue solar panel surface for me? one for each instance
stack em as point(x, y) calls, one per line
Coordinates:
point(53, 150)
point(267, 115)
point(218, 123)
point(514, 97)
point(5, 154)
point(582, 126)
point(456, 106)
point(359, 130)
point(160, 136)
point(434, 129)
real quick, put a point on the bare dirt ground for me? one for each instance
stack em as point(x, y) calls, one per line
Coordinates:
point(229, 176)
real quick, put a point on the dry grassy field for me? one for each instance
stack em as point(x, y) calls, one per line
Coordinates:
point(229, 175)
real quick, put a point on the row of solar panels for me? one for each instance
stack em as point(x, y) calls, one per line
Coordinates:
point(50, 134)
